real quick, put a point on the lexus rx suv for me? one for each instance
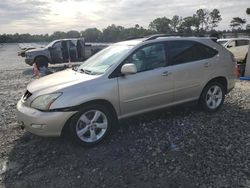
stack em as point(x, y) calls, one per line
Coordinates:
point(126, 79)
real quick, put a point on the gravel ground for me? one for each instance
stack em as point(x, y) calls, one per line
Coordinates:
point(176, 147)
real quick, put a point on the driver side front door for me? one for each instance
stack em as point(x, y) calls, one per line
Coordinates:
point(152, 86)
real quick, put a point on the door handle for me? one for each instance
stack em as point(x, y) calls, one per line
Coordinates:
point(207, 64)
point(166, 73)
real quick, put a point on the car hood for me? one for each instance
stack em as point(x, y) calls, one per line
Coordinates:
point(57, 81)
point(35, 50)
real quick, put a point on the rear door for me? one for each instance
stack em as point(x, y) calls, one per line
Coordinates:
point(152, 86)
point(73, 50)
point(80, 49)
point(191, 66)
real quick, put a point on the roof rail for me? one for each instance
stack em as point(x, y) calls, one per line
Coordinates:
point(152, 37)
point(214, 39)
point(132, 38)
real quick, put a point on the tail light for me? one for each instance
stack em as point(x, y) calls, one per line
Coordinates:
point(236, 70)
point(233, 58)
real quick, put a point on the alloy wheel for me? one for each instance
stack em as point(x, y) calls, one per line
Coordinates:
point(214, 97)
point(91, 126)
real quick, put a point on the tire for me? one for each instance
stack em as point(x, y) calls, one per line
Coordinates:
point(212, 97)
point(41, 62)
point(245, 60)
point(91, 125)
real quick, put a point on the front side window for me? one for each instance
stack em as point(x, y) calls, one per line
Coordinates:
point(57, 45)
point(188, 51)
point(149, 57)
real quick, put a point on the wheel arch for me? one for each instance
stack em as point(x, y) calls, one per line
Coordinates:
point(41, 63)
point(102, 102)
point(41, 56)
point(220, 79)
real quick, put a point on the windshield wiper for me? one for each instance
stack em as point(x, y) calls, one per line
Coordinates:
point(75, 68)
point(85, 71)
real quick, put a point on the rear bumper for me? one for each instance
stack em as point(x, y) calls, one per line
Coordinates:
point(230, 84)
point(42, 123)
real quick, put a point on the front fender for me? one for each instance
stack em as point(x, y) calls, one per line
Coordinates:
point(75, 96)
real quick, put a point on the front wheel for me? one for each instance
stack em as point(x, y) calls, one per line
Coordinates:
point(91, 125)
point(212, 97)
point(41, 62)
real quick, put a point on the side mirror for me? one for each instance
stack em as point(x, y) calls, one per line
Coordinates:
point(128, 69)
point(229, 46)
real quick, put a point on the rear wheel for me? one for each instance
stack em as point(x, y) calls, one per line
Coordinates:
point(91, 125)
point(212, 97)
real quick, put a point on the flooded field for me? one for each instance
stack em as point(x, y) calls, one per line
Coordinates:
point(9, 60)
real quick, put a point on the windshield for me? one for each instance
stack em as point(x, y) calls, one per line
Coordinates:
point(102, 61)
point(51, 44)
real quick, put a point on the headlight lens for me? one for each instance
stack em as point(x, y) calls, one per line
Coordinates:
point(44, 102)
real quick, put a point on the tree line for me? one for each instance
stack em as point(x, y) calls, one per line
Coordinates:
point(202, 22)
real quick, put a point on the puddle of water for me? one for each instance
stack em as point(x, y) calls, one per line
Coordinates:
point(6, 165)
point(3, 167)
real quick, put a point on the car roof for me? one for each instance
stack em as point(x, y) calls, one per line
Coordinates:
point(183, 38)
point(160, 38)
point(130, 42)
point(69, 39)
point(223, 40)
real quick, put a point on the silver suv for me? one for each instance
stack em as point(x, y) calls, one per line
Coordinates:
point(126, 79)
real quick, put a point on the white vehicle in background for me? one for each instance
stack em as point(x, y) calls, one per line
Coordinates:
point(238, 46)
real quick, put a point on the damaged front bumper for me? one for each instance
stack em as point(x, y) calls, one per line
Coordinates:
point(42, 123)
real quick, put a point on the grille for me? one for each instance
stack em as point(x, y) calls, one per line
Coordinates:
point(26, 95)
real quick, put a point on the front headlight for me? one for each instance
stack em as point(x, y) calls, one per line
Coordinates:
point(44, 102)
point(28, 55)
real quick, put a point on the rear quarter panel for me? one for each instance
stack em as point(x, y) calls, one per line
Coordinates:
point(222, 65)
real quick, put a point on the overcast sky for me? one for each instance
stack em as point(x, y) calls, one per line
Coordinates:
point(46, 16)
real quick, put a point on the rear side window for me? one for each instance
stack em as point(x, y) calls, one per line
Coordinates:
point(149, 57)
point(57, 45)
point(188, 51)
point(242, 42)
